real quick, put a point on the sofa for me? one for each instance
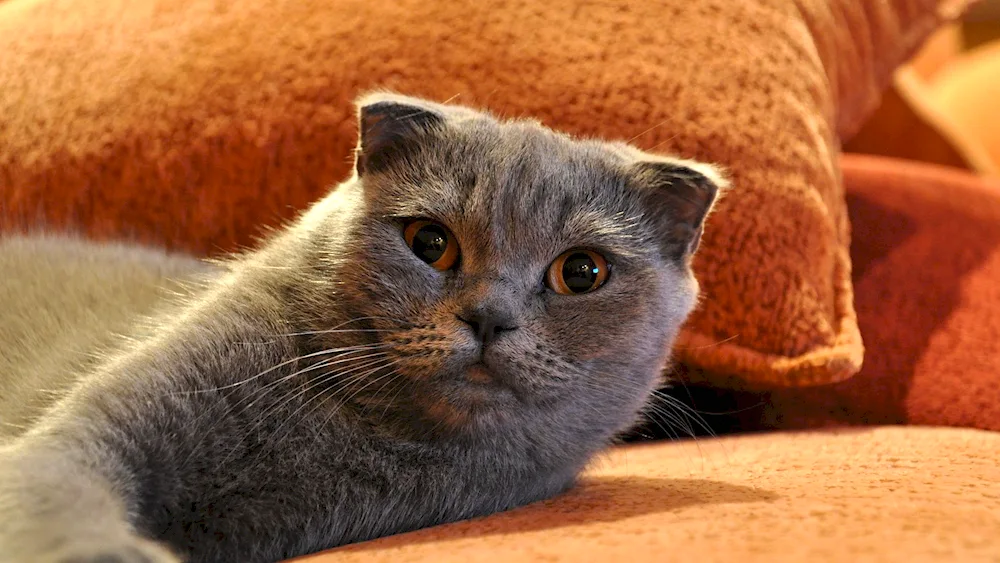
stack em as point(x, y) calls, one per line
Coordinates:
point(896, 458)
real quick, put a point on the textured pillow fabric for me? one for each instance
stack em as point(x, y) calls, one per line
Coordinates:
point(927, 272)
point(192, 123)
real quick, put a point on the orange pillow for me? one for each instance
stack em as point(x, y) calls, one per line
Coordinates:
point(192, 123)
point(927, 261)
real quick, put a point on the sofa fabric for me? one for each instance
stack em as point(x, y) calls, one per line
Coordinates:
point(196, 123)
point(875, 494)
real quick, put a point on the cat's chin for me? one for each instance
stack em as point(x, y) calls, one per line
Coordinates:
point(477, 389)
point(471, 400)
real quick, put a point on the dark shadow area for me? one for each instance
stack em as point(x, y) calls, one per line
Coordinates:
point(593, 501)
point(875, 231)
point(908, 274)
point(908, 270)
point(707, 411)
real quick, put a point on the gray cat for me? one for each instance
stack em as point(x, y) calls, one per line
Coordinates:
point(456, 330)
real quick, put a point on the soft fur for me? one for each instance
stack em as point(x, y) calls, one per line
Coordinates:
point(320, 390)
point(65, 302)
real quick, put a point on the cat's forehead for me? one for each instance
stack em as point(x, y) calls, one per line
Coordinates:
point(518, 185)
point(528, 151)
point(522, 170)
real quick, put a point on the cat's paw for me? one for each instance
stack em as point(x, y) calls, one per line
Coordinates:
point(130, 551)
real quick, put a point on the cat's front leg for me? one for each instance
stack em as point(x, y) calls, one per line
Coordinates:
point(55, 509)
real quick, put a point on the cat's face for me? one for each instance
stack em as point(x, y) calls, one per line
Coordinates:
point(503, 272)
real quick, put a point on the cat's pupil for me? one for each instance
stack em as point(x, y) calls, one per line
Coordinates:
point(579, 272)
point(430, 243)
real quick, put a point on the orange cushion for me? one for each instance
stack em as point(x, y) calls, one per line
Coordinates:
point(927, 271)
point(192, 123)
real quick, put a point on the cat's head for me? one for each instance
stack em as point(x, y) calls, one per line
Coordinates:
point(502, 277)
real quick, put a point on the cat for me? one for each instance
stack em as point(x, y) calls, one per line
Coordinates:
point(455, 330)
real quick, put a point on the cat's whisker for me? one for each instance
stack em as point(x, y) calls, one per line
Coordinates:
point(258, 394)
point(663, 142)
point(672, 419)
point(339, 330)
point(657, 126)
point(327, 377)
point(275, 268)
point(289, 397)
point(366, 385)
point(374, 318)
point(662, 409)
point(322, 319)
point(393, 374)
point(667, 430)
point(280, 365)
point(382, 388)
point(690, 413)
point(389, 403)
point(655, 414)
point(666, 416)
point(355, 378)
point(711, 344)
point(319, 365)
point(697, 418)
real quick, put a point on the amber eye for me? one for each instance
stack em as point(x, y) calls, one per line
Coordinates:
point(576, 272)
point(432, 242)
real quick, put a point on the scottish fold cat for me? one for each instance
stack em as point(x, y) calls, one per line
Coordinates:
point(455, 330)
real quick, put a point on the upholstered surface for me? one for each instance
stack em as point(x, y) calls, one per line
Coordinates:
point(876, 494)
point(926, 255)
point(193, 123)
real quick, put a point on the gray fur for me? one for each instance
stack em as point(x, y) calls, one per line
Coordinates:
point(316, 391)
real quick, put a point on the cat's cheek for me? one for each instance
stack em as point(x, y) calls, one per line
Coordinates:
point(438, 350)
point(408, 293)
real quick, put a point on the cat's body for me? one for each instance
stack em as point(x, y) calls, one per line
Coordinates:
point(65, 302)
point(395, 358)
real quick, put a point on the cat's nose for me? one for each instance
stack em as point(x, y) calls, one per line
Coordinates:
point(487, 325)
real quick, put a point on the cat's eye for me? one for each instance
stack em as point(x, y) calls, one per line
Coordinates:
point(576, 272)
point(432, 242)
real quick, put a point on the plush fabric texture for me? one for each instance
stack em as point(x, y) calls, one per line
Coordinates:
point(926, 258)
point(881, 494)
point(195, 123)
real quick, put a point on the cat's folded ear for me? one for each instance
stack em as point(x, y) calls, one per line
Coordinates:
point(679, 195)
point(391, 127)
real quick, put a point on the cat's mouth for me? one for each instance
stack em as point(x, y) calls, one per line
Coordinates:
point(481, 374)
point(481, 385)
